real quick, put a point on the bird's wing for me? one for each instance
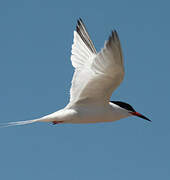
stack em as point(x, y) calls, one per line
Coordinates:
point(96, 74)
point(82, 48)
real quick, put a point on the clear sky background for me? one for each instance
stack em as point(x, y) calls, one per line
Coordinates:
point(35, 74)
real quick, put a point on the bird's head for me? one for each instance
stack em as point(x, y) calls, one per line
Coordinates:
point(130, 109)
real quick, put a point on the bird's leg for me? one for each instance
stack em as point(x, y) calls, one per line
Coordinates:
point(56, 122)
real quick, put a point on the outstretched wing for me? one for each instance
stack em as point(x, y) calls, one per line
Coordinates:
point(96, 74)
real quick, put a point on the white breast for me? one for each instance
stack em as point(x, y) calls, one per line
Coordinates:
point(98, 113)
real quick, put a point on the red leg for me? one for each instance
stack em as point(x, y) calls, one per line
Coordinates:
point(56, 122)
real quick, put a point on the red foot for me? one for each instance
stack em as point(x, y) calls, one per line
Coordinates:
point(56, 122)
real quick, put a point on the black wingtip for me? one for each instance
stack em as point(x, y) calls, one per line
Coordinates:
point(78, 22)
point(80, 19)
point(116, 34)
point(113, 34)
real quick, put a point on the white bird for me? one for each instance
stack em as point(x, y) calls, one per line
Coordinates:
point(96, 76)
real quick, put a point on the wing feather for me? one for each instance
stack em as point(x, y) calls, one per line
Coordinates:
point(82, 31)
point(96, 75)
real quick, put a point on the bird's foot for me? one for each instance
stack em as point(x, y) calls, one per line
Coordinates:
point(56, 122)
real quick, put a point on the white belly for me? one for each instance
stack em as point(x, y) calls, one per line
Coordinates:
point(86, 114)
point(94, 115)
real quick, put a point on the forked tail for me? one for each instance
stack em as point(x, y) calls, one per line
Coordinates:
point(18, 123)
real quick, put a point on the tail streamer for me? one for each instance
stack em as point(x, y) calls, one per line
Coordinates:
point(18, 123)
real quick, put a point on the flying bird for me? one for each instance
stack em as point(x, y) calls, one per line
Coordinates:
point(96, 76)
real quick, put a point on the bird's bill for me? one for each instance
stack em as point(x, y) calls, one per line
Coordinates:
point(140, 115)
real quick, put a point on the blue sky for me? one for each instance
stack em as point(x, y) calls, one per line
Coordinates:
point(35, 74)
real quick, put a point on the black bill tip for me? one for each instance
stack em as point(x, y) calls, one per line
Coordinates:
point(140, 115)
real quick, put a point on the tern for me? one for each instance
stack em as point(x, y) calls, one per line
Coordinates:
point(96, 76)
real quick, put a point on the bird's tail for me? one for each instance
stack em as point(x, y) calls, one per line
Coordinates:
point(18, 123)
